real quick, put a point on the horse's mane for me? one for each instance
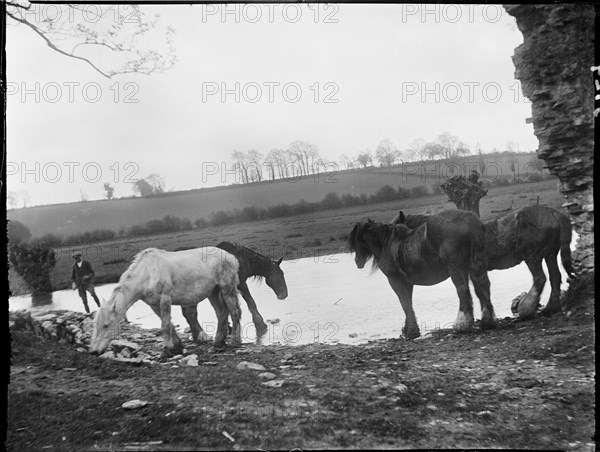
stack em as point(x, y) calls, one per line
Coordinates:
point(389, 235)
point(256, 261)
point(412, 221)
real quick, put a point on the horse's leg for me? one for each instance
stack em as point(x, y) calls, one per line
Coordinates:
point(230, 299)
point(464, 319)
point(481, 283)
point(404, 291)
point(222, 314)
point(190, 313)
point(553, 305)
point(172, 343)
point(259, 323)
point(528, 305)
point(157, 310)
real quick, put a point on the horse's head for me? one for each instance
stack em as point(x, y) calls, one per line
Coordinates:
point(106, 325)
point(276, 281)
point(358, 244)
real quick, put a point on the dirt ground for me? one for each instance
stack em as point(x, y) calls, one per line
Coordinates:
point(526, 385)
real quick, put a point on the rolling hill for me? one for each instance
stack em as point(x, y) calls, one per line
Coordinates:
point(72, 218)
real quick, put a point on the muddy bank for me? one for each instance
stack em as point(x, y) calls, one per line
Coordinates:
point(524, 385)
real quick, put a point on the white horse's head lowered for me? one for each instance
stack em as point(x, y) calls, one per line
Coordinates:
point(106, 324)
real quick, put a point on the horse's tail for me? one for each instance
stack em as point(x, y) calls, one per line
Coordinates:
point(479, 262)
point(565, 242)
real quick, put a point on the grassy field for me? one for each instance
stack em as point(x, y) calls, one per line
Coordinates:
point(318, 233)
point(67, 219)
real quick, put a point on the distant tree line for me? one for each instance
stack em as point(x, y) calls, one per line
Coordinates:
point(332, 200)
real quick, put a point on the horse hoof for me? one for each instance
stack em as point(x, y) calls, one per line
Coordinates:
point(203, 337)
point(411, 333)
point(464, 322)
point(489, 323)
point(260, 332)
point(550, 310)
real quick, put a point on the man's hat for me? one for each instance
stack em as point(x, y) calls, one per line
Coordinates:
point(76, 254)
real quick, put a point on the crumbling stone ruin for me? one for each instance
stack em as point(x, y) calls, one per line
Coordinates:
point(554, 66)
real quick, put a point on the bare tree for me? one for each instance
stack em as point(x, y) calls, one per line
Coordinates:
point(142, 188)
point(465, 192)
point(100, 33)
point(156, 182)
point(365, 158)
point(386, 152)
point(109, 189)
point(511, 146)
point(25, 197)
point(433, 150)
point(417, 149)
point(452, 146)
point(305, 154)
point(12, 199)
point(346, 161)
point(254, 161)
point(240, 162)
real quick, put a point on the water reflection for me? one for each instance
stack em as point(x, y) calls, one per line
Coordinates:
point(41, 299)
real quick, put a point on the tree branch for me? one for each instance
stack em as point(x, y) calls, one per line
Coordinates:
point(53, 47)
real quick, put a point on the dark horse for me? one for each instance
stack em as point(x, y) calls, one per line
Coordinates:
point(450, 244)
point(531, 234)
point(251, 264)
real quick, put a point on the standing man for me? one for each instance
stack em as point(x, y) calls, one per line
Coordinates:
point(83, 279)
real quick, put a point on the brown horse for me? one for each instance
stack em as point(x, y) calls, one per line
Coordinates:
point(531, 234)
point(251, 264)
point(451, 244)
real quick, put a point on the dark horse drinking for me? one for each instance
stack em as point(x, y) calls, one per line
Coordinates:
point(450, 244)
point(252, 264)
point(531, 234)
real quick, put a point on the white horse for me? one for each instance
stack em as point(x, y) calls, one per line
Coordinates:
point(163, 278)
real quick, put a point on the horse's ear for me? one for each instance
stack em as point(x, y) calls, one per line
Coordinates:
point(279, 261)
point(400, 217)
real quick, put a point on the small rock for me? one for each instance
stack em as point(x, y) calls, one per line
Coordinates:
point(127, 360)
point(175, 358)
point(133, 404)
point(401, 388)
point(125, 353)
point(81, 349)
point(121, 344)
point(44, 318)
point(267, 375)
point(209, 363)
point(353, 335)
point(248, 365)
point(191, 360)
point(274, 383)
point(484, 413)
point(108, 355)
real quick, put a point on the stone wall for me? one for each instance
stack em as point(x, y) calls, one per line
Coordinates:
point(554, 67)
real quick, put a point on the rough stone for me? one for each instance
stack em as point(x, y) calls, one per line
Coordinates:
point(133, 404)
point(274, 383)
point(267, 375)
point(191, 360)
point(248, 365)
point(553, 65)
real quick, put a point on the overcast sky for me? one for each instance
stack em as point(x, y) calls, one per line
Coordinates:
point(342, 77)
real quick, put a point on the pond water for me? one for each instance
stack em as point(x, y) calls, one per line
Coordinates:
point(330, 300)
